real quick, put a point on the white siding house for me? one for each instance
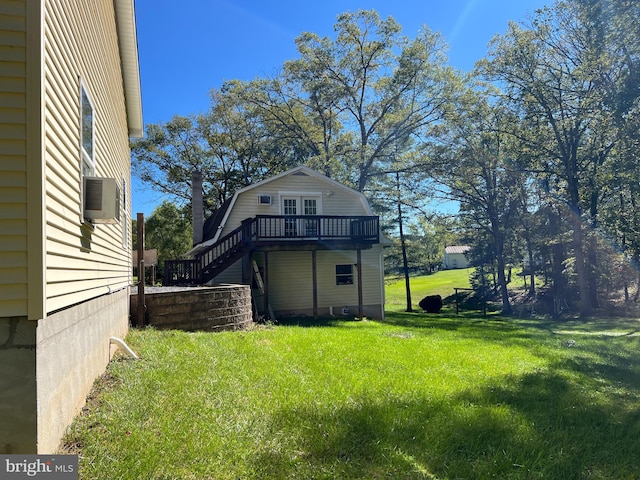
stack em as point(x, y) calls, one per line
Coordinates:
point(455, 256)
point(315, 242)
point(69, 101)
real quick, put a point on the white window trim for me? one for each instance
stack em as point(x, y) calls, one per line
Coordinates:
point(300, 196)
point(84, 157)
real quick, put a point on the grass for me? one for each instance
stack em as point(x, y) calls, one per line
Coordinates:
point(416, 397)
point(441, 283)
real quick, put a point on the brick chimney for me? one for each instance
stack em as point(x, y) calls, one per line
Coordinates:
point(196, 206)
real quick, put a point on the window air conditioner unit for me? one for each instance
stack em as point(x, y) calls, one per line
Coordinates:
point(264, 199)
point(101, 200)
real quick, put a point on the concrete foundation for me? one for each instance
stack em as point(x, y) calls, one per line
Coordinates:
point(47, 368)
point(18, 420)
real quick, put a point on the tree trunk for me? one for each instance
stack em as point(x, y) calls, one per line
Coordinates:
point(557, 256)
point(581, 271)
point(532, 285)
point(405, 263)
point(592, 242)
point(502, 282)
point(591, 269)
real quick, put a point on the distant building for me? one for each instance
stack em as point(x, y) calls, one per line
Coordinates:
point(455, 256)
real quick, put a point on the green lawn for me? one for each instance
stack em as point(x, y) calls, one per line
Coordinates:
point(441, 283)
point(418, 396)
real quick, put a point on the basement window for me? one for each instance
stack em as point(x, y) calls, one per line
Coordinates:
point(344, 274)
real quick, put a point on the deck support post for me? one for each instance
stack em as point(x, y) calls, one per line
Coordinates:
point(359, 270)
point(265, 280)
point(314, 273)
point(246, 269)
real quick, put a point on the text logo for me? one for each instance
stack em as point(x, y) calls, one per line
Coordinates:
point(49, 467)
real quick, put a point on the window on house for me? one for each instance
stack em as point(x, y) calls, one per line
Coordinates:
point(344, 274)
point(87, 133)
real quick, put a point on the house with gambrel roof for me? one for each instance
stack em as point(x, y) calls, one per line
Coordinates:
point(313, 243)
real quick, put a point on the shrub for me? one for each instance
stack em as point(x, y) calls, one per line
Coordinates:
point(431, 303)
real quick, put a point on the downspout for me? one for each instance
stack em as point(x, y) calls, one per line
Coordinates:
point(119, 342)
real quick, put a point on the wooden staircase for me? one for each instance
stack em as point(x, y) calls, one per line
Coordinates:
point(271, 231)
point(212, 261)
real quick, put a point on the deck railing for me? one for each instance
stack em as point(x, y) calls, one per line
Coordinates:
point(270, 230)
point(316, 227)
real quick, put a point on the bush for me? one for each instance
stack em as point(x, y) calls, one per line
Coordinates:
point(431, 303)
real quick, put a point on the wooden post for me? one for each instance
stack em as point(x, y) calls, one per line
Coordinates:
point(265, 281)
point(359, 270)
point(246, 269)
point(314, 273)
point(141, 304)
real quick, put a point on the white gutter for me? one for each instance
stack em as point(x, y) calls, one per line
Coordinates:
point(127, 39)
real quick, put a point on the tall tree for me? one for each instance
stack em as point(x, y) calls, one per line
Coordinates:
point(168, 229)
point(474, 162)
point(166, 156)
point(344, 107)
point(552, 73)
point(360, 93)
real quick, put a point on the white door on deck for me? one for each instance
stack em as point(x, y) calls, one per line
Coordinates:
point(310, 207)
point(290, 207)
point(300, 205)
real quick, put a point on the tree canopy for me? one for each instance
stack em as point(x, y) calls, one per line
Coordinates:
point(539, 145)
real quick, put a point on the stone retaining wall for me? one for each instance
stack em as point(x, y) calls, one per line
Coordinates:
point(224, 307)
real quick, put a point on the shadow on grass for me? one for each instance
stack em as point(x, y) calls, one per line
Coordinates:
point(496, 323)
point(539, 425)
point(577, 418)
point(313, 322)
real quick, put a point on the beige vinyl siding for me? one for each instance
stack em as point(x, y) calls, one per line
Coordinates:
point(13, 161)
point(348, 294)
point(290, 281)
point(233, 274)
point(334, 200)
point(81, 45)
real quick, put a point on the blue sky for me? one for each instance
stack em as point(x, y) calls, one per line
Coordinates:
point(188, 47)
